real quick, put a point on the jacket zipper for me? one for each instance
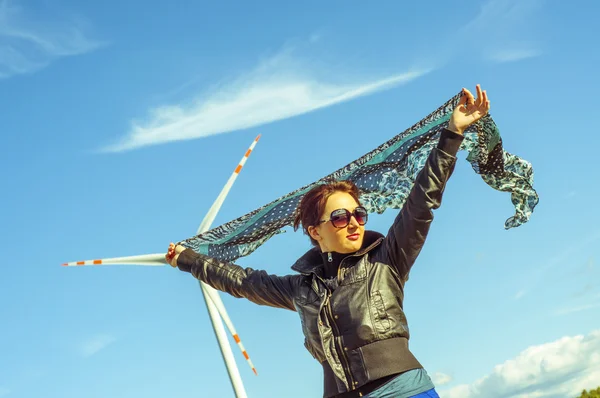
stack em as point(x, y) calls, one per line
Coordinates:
point(340, 349)
point(329, 312)
point(337, 337)
point(340, 275)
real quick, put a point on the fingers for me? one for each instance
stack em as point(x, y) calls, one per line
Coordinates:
point(170, 254)
point(173, 253)
point(463, 97)
point(479, 100)
point(482, 103)
point(486, 101)
point(470, 98)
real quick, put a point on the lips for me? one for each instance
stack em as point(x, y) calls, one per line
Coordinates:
point(353, 236)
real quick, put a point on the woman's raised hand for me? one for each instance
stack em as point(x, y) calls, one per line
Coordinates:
point(469, 110)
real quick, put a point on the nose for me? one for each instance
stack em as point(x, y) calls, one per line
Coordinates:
point(353, 222)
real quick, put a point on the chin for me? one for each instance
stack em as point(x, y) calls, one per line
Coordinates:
point(353, 246)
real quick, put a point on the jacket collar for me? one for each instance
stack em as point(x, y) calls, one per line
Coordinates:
point(312, 262)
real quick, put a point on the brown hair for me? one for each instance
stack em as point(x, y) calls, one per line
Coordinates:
point(313, 203)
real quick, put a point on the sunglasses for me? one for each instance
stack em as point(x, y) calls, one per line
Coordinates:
point(340, 218)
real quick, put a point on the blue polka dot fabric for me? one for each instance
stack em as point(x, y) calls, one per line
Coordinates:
point(385, 177)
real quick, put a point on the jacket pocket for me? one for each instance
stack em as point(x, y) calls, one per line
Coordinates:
point(381, 320)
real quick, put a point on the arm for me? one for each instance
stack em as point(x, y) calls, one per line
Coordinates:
point(254, 285)
point(407, 235)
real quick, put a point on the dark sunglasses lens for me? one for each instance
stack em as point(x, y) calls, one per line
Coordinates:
point(361, 215)
point(340, 218)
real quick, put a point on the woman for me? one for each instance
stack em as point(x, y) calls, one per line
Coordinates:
point(350, 286)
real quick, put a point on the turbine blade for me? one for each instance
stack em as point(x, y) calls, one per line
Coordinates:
point(205, 226)
point(213, 295)
point(149, 260)
point(216, 206)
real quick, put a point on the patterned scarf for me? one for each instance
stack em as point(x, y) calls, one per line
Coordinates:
point(385, 177)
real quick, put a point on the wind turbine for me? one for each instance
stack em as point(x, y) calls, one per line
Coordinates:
point(214, 304)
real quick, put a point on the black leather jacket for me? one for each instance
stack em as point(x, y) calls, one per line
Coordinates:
point(358, 332)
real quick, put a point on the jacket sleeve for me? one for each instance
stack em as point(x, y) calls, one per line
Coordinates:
point(407, 235)
point(254, 285)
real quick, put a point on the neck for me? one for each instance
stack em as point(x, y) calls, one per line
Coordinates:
point(332, 261)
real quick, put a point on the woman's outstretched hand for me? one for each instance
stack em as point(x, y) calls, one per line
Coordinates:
point(469, 110)
point(173, 254)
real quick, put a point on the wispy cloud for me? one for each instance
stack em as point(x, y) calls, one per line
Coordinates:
point(279, 88)
point(591, 302)
point(579, 308)
point(585, 290)
point(506, 30)
point(28, 44)
point(4, 391)
point(520, 294)
point(562, 368)
point(562, 258)
point(512, 55)
point(577, 247)
point(284, 86)
point(441, 379)
point(95, 344)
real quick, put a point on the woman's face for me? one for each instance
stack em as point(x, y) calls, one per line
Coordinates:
point(342, 240)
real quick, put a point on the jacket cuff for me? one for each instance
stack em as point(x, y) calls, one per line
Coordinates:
point(186, 260)
point(450, 142)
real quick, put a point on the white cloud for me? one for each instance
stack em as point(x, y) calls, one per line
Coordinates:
point(315, 37)
point(586, 290)
point(28, 44)
point(575, 248)
point(440, 379)
point(561, 259)
point(512, 55)
point(578, 308)
point(559, 369)
point(520, 294)
point(4, 391)
point(592, 301)
point(282, 87)
point(279, 88)
point(94, 344)
point(505, 29)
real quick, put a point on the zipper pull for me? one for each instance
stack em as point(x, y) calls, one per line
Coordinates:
point(329, 257)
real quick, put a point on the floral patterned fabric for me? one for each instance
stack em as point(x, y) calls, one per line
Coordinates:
point(385, 177)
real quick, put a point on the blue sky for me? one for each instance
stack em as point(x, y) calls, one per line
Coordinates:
point(122, 121)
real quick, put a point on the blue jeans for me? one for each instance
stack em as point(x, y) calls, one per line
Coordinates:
point(389, 393)
point(412, 384)
point(428, 394)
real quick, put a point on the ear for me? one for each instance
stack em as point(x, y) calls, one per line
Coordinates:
point(314, 233)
